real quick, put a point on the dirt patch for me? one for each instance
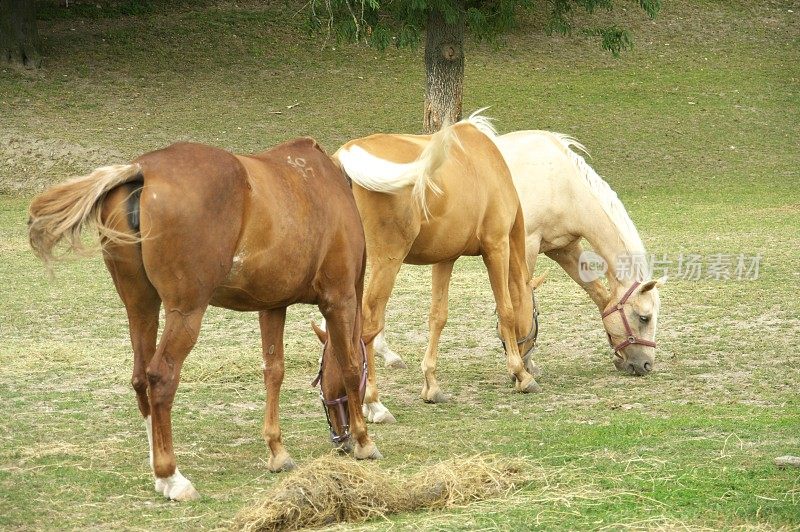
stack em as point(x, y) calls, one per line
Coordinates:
point(28, 165)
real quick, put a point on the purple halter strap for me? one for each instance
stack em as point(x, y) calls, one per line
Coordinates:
point(630, 337)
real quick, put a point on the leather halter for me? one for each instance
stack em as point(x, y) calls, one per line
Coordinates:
point(341, 402)
point(533, 335)
point(630, 337)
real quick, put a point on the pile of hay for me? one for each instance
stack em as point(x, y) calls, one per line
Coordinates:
point(332, 489)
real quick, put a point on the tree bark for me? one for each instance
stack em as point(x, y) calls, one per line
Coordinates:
point(19, 37)
point(444, 70)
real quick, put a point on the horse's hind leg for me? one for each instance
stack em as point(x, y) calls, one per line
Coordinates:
point(390, 358)
point(140, 298)
point(431, 393)
point(272, 324)
point(142, 305)
point(376, 296)
point(156, 370)
point(181, 329)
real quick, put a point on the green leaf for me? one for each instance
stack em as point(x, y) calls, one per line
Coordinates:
point(613, 38)
point(651, 7)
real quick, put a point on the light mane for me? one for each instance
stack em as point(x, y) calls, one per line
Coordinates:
point(482, 123)
point(608, 199)
point(604, 194)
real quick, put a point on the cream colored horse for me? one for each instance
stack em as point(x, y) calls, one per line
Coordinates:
point(564, 201)
point(430, 200)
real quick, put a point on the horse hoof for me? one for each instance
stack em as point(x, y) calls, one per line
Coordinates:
point(368, 452)
point(395, 362)
point(384, 417)
point(188, 494)
point(176, 488)
point(436, 397)
point(281, 464)
point(529, 386)
point(377, 413)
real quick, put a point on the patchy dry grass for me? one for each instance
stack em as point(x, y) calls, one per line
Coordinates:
point(695, 129)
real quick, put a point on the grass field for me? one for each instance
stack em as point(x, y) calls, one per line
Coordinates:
point(696, 129)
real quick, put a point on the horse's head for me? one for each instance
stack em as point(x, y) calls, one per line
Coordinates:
point(332, 389)
point(630, 320)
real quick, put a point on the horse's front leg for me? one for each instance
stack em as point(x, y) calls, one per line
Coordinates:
point(341, 317)
point(496, 258)
point(272, 324)
point(390, 358)
point(163, 374)
point(431, 393)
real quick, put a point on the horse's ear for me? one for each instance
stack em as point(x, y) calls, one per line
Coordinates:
point(368, 338)
point(536, 282)
point(655, 283)
point(321, 334)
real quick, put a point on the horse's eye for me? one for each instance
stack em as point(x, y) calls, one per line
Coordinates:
point(644, 319)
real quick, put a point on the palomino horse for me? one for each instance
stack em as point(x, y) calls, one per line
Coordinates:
point(564, 200)
point(551, 180)
point(430, 200)
point(191, 226)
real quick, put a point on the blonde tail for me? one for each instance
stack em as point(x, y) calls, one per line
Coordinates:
point(64, 209)
point(380, 175)
point(431, 159)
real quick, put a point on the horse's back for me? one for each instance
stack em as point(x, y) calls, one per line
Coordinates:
point(535, 157)
point(545, 177)
point(301, 221)
point(394, 147)
point(478, 200)
point(301, 177)
point(244, 232)
point(476, 183)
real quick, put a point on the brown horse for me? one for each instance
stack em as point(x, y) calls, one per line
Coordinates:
point(191, 226)
point(429, 200)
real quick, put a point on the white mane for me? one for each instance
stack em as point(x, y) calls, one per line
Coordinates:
point(483, 123)
point(606, 196)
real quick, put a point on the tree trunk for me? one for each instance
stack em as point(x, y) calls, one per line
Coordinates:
point(19, 38)
point(444, 69)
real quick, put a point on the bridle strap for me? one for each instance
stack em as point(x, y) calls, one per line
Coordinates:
point(341, 402)
point(630, 337)
point(534, 332)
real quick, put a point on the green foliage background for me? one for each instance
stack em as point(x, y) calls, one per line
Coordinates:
point(402, 22)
